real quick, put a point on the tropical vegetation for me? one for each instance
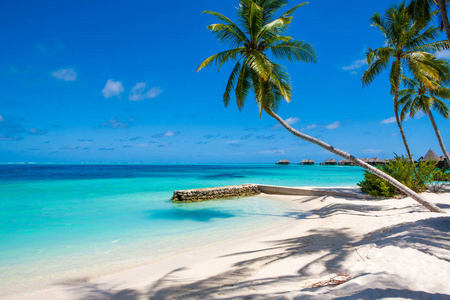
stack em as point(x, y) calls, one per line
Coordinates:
point(409, 46)
point(260, 38)
point(417, 97)
point(425, 9)
point(416, 177)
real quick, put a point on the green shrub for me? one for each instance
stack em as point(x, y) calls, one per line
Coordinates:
point(415, 176)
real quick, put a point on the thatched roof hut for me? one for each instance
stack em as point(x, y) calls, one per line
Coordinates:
point(376, 161)
point(346, 162)
point(330, 162)
point(283, 162)
point(307, 162)
point(365, 159)
point(431, 155)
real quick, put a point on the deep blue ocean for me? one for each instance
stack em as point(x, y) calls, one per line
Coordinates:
point(65, 222)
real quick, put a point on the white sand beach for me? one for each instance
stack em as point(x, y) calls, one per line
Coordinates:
point(333, 248)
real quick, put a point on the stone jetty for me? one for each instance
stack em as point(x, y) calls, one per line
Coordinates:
point(196, 195)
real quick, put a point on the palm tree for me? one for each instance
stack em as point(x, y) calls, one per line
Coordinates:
point(407, 44)
point(423, 10)
point(262, 35)
point(417, 97)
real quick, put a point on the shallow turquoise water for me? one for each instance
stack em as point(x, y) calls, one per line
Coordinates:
point(65, 222)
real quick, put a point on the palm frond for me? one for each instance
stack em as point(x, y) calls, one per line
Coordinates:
point(231, 83)
point(232, 29)
point(294, 50)
point(221, 57)
point(374, 69)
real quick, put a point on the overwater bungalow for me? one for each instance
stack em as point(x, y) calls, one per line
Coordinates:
point(283, 162)
point(346, 162)
point(330, 162)
point(366, 160)
point(376, 161)
point(307, 162)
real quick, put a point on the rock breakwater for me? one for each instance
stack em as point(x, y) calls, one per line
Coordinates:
point(196, 195)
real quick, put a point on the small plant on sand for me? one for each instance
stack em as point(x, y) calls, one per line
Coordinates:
point(417, 177)
point(440, 178)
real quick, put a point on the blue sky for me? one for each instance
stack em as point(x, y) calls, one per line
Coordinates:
point(115, 81)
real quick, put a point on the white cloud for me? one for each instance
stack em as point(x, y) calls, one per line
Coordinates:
point(309, 127)
point(117, 124)
point(273, 152)
point(1, 118)
point(112, 88)
point(355, 65)
point(292, 120)
point(372, 151)
point(168, 133)
point(138, 92)
point(388, 120)
point(445, 54)
point(419, 115)
point(334, 125)
point(35, 131)
point(65, 74)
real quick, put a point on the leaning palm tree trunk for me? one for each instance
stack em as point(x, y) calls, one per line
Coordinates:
point(443, 9)
point(439, 137)
point(357, 161)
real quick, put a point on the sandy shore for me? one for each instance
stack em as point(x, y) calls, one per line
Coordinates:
point(333, 248)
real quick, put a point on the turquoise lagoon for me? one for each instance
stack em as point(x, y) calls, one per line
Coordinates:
point(60, 223)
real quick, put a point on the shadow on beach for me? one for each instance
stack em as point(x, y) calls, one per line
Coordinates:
point(330, 249)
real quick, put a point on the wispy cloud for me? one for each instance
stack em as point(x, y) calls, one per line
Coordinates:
point(106, 149)
point(211, 136)
point(85, 140)
point(1, 118)
point(265, 137)
point(112, 88)
point(164, 145)
point(132, 139)
point(444, 54)
point(334, 125)
point(117, 124)
point(372, 151)
point(273, 152)
point(69, 148)
point(388, 120)
point(35, 131)
point(10, 137)
point(309, 127)
point(291, 121)
point(246, 136)
point(138, 92)
point(168, 133)
point(355, 65)
point(234, 143)
point(65, 74)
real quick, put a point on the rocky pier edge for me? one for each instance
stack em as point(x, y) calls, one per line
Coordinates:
point(197, 195)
